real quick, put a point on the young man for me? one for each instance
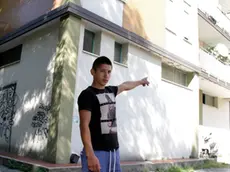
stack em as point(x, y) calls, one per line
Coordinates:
point(98, 126)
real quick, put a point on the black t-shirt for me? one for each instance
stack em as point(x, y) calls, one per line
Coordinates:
point(103, 124)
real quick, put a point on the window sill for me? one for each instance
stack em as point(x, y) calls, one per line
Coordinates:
point(185, 1)
point(186, 12)
point(210, 106)
point(169, 30)
point(187, 41)
point(173, 83)
point(120, 64)
point(89, 53)
point(10, 64)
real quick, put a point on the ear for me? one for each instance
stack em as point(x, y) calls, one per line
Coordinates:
point(92, 71)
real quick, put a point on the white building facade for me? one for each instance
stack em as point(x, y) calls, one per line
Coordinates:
point(188, 97)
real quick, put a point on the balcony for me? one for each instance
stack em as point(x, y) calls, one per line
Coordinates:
point(213, 66)
point(214, 24)
point(216, 69)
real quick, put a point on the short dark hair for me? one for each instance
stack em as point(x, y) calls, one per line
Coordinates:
point(101, 60)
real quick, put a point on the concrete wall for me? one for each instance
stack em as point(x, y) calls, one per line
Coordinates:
point(33, 78)
point(165, 23)
point(14, 14)
point(146, 18)
point(153, 122)
point(111, 10)
point(137, 110)
point(217, 117)
point(180, 118)
point(178, 25)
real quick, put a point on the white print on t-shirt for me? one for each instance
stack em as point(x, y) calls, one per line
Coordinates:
point(108, 113)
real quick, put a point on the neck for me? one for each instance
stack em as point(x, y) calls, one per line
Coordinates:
point(96, 85)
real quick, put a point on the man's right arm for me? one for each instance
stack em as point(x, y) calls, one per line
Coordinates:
point(93, 162)
point(85, 117)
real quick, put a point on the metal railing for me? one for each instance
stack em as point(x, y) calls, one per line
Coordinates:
point(220, 18)
point(213, 66)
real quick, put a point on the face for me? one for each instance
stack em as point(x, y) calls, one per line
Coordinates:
point(102, 74)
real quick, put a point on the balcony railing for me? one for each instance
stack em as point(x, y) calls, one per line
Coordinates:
point(213, 66)
point(216, 15)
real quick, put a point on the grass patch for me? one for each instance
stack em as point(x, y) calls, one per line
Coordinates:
point(211, 164)
point(176, 169)
point(207, 164)
point(12, 164)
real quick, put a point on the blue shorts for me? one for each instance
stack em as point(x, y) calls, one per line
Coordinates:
point(109, 161)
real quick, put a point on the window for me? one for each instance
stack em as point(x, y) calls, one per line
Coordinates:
point(89, 39)
point(209, 100)
point(175, 75)
point(121, 53)
point(118, 53)
point(10, 56)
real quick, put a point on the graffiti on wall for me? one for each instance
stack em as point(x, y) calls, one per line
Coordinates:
point(209, 147)
point(8, 101)
point(40, 121)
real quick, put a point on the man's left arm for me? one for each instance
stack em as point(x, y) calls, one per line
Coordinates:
point(129, 85)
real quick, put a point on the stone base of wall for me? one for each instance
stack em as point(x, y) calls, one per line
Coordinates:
point(29, 165)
